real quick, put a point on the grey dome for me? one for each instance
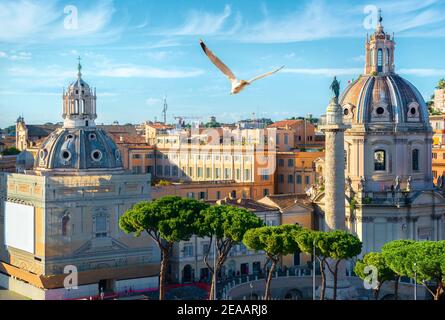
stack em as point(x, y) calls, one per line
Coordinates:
point(79, 149)
point(384, 98)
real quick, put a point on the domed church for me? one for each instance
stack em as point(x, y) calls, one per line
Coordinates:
point(62, 238)
point(389, 191)
point(79, 147)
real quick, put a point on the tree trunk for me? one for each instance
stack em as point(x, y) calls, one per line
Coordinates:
point(396, 289)
point(438, 293)
point(377, 291)
point(323, 280)
point(162, 273)
point(269, 280)
point(335, 280)
point(334, 297)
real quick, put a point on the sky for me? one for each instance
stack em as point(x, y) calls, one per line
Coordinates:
point(136, 52)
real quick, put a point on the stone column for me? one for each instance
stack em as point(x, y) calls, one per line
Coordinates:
point(334, 199)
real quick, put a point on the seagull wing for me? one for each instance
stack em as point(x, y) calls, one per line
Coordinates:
point(218, 63)
point(265, 75)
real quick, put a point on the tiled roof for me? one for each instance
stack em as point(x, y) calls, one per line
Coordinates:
point(249, 204)
point(284, 201)
point(285, 123)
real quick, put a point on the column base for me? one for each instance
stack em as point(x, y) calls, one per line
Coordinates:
point(344, 291)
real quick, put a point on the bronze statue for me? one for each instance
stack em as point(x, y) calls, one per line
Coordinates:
point(335, 87)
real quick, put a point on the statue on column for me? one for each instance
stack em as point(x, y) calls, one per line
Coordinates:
point(348, 183)
point(335, 87)
point(361, 185)
point(397, 186)
point(408, 184)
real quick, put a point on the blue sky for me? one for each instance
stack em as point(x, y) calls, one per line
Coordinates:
point(135, 52)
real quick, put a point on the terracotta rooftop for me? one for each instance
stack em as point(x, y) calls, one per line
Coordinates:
point(284, 201)
point(249, 204)
point(286, 123)
point(160, 126)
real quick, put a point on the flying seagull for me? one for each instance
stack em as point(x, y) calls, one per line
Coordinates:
point(237, 85)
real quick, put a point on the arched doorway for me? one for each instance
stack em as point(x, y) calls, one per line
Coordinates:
point(187, 274)
point(293, 294)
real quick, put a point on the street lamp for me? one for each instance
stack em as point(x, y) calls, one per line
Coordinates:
point(251, 290)
point(313, 271)
point(415, 281)
point(214, 270)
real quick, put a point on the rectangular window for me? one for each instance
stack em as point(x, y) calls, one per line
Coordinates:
point(208, 173)
point(191, 171)
point(202, 195)
point(200, 173)
point(150, 169)
point(218, 195)
point(100, 225)
point(167, 171)
point(281, 162)
point(188, 250)
point(191, 195)
point(175, 171)
point(238, 174)
point(307, 179)
point(136, 156)
point(290, 178)
point(226, 173)
point(281, 178)
point(265, 192)
point(247, 176)
point(299, 179)
point(434, 155)
point(286, 139)
point(137, 169)
point(290, 163)
point(217, 173)
point(159, 170)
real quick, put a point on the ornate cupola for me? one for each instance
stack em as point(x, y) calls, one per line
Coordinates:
point(79, 147)
point(79, 103)
point(379, 51)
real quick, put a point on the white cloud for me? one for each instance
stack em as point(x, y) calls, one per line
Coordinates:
point(43, 21)
point(16, 56)
point(153, 101)
point(326, 72)
point(201, 23)
point(423, 72)
point(148, 72)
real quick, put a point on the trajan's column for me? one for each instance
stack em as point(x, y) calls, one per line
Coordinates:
point(334, 179)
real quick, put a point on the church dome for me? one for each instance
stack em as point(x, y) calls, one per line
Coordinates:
point(381, 96)
point(386, 98)
point(79, 146)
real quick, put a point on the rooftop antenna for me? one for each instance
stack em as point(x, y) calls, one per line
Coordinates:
point(164, 109)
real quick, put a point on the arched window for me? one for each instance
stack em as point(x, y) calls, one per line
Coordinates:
point(82, 106)
point(380, 60)
point(380, 160)
point(387, 57)
point(415, 160)
point(76, 106)
point(65, 221)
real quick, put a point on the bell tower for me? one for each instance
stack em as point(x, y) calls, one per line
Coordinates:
point(379, 51)
point(79, 103)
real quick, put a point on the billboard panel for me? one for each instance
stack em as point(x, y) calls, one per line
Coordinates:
point(19, 226)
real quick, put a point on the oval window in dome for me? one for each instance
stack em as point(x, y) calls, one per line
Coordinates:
point(92, 136)
point(66, 155)
point(118, 154)
point(380, 110)
point(96, 155)
point(43, 154)
point(346, 111)
point(413, 111)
